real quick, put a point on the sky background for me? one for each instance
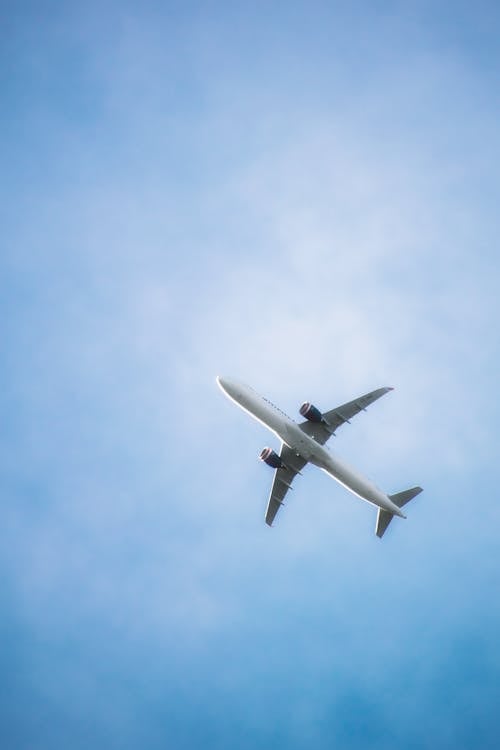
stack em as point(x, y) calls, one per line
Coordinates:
point(303, 196)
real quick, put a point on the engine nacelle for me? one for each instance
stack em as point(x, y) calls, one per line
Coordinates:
point(271, 458)
point(311, 412)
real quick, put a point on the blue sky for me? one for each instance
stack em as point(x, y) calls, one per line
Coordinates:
point(305, 196)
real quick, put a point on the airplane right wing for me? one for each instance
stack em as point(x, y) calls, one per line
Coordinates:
point(336, 417)
point(282, 482)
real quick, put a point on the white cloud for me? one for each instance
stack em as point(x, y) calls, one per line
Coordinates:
point(360, 281)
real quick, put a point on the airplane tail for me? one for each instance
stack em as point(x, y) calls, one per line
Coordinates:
point(384, 517)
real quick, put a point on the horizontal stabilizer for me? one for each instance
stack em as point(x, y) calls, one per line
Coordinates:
point(401, 498)
point(384, 517)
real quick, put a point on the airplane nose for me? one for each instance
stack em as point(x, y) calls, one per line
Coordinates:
point(223, 383)
point(226, 384)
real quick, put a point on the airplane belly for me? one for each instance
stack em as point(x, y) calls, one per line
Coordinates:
point(299, 442)
point(257, 407)
point(357, 483)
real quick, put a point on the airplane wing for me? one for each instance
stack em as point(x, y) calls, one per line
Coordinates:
point(336, 417)
point(283, 478)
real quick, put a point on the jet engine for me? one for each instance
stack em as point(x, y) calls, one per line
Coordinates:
point(311, 412)
point(271, 458)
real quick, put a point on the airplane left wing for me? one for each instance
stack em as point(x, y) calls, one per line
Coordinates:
point(334, 418)
point(283, 478)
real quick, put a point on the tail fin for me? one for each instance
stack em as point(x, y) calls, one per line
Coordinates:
point(384, 517)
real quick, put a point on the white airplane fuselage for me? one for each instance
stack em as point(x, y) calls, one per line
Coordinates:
point(290, 433)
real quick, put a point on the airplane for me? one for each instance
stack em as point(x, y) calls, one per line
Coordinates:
point(305, 443)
